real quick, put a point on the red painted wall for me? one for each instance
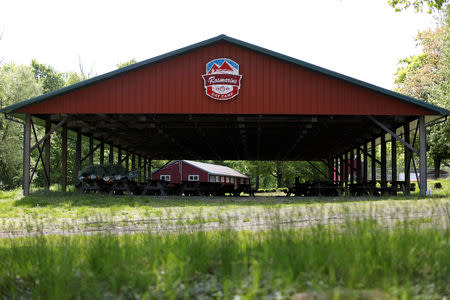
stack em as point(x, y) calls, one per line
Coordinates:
point(174, 171)
point(268, 86)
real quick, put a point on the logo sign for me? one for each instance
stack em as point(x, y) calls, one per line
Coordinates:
point(222, 79)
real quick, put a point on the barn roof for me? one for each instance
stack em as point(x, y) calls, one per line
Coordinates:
point(215, 169)
point(432, 109)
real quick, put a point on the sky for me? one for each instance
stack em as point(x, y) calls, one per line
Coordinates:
point(363, 39)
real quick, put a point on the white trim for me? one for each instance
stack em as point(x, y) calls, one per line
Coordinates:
point(193, 177)
point(165, 177)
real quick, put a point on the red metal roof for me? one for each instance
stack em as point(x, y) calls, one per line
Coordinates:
point(269, 86)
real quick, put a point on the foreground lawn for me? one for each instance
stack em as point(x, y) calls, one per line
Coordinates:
point(354, 260)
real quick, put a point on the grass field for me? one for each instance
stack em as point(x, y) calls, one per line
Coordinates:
point(232, 248)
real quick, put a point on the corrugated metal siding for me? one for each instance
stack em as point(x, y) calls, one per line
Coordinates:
point(268, 86)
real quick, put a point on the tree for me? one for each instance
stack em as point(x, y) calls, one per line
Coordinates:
point(418, 5)
point(126, 63)
point(49, 79)
point(427, 77)
point(16, 84)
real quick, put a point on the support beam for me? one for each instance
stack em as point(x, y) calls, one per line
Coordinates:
point(341, 169)
point(352, 165)
point(77, 158)
point(394, 158)
point(365, 162)
point(26, 155)
point(408, 155)
point(384, 127)
point(119, 155)
point(127, 161)
point(48, 134)
point(373, 170)
point(358, 165)
point(149, 169)
point(317, 169)
point(347, 169)
point(423, 156)
point(47, 183)
point(383, 161)
point(102, 153)
point(133, 162)
point(111, 153)
point(140, 168)
point(91, 150)
point(145, 168)
point(64, 159)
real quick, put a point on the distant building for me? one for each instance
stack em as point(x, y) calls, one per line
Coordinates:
point(181, 171)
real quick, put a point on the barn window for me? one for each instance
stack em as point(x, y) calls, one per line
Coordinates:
point(217, 178)
point(212, 178)
point(242, 181)
point(232, 179)
point(164, 177)
point(222, 179)
point(193, 178)
point(227, 179)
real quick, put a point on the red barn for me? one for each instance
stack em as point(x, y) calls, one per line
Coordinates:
point(181, 171)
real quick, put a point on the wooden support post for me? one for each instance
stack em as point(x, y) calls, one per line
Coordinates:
point(64, 159)
point(111, 153)
point(77, 158)
point(91, 150)
point(373, 170)
point(140, 168)
point(408, 154)
point(352, 165)
point(145, 168)
point(102, 153)
point(347, 169)
point(358, 165)
point(26, 155)
point(365, 163)
point(119, 155)
point(127, 161)
point(423, 156)
point(341, 170)
point(394, 158)
point(383, 161)
point(47, 183)
point(133, 162)
point(330, 170)
point(149, 169)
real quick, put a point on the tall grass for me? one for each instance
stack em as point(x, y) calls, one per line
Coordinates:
point(408, 260)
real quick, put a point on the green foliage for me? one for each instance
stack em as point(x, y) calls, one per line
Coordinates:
point(16, 84)
point(126, 63)
point(418, 5)
point(427, 77)
point(49, 79)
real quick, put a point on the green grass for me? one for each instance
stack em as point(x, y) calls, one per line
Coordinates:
point(400, 262)
point(326, 248)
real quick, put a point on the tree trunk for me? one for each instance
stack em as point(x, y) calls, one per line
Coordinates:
point(437, 166)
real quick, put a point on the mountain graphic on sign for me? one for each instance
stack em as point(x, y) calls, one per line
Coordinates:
point(224, 68)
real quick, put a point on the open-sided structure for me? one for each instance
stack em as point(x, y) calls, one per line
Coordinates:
point(226, 99)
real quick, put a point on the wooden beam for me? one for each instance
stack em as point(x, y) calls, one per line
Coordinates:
point(26, 155)
point(102, 153)
point(139, 167)
point(127, 161)
point(373, 159)
point(365, 164)
point(358, 164)
point(408, 154)
point(48, 126)
point(119, 155)
point(77, 158)
point(317, 169)
point(383, 161)
point(111, 153)
point(423, 156)
point(91, 150)
point(48, 134)
point(64, 159)
point(384, 127)
point(352, 164)
point(394, 158)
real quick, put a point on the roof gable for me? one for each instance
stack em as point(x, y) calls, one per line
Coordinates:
point(271, 83)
